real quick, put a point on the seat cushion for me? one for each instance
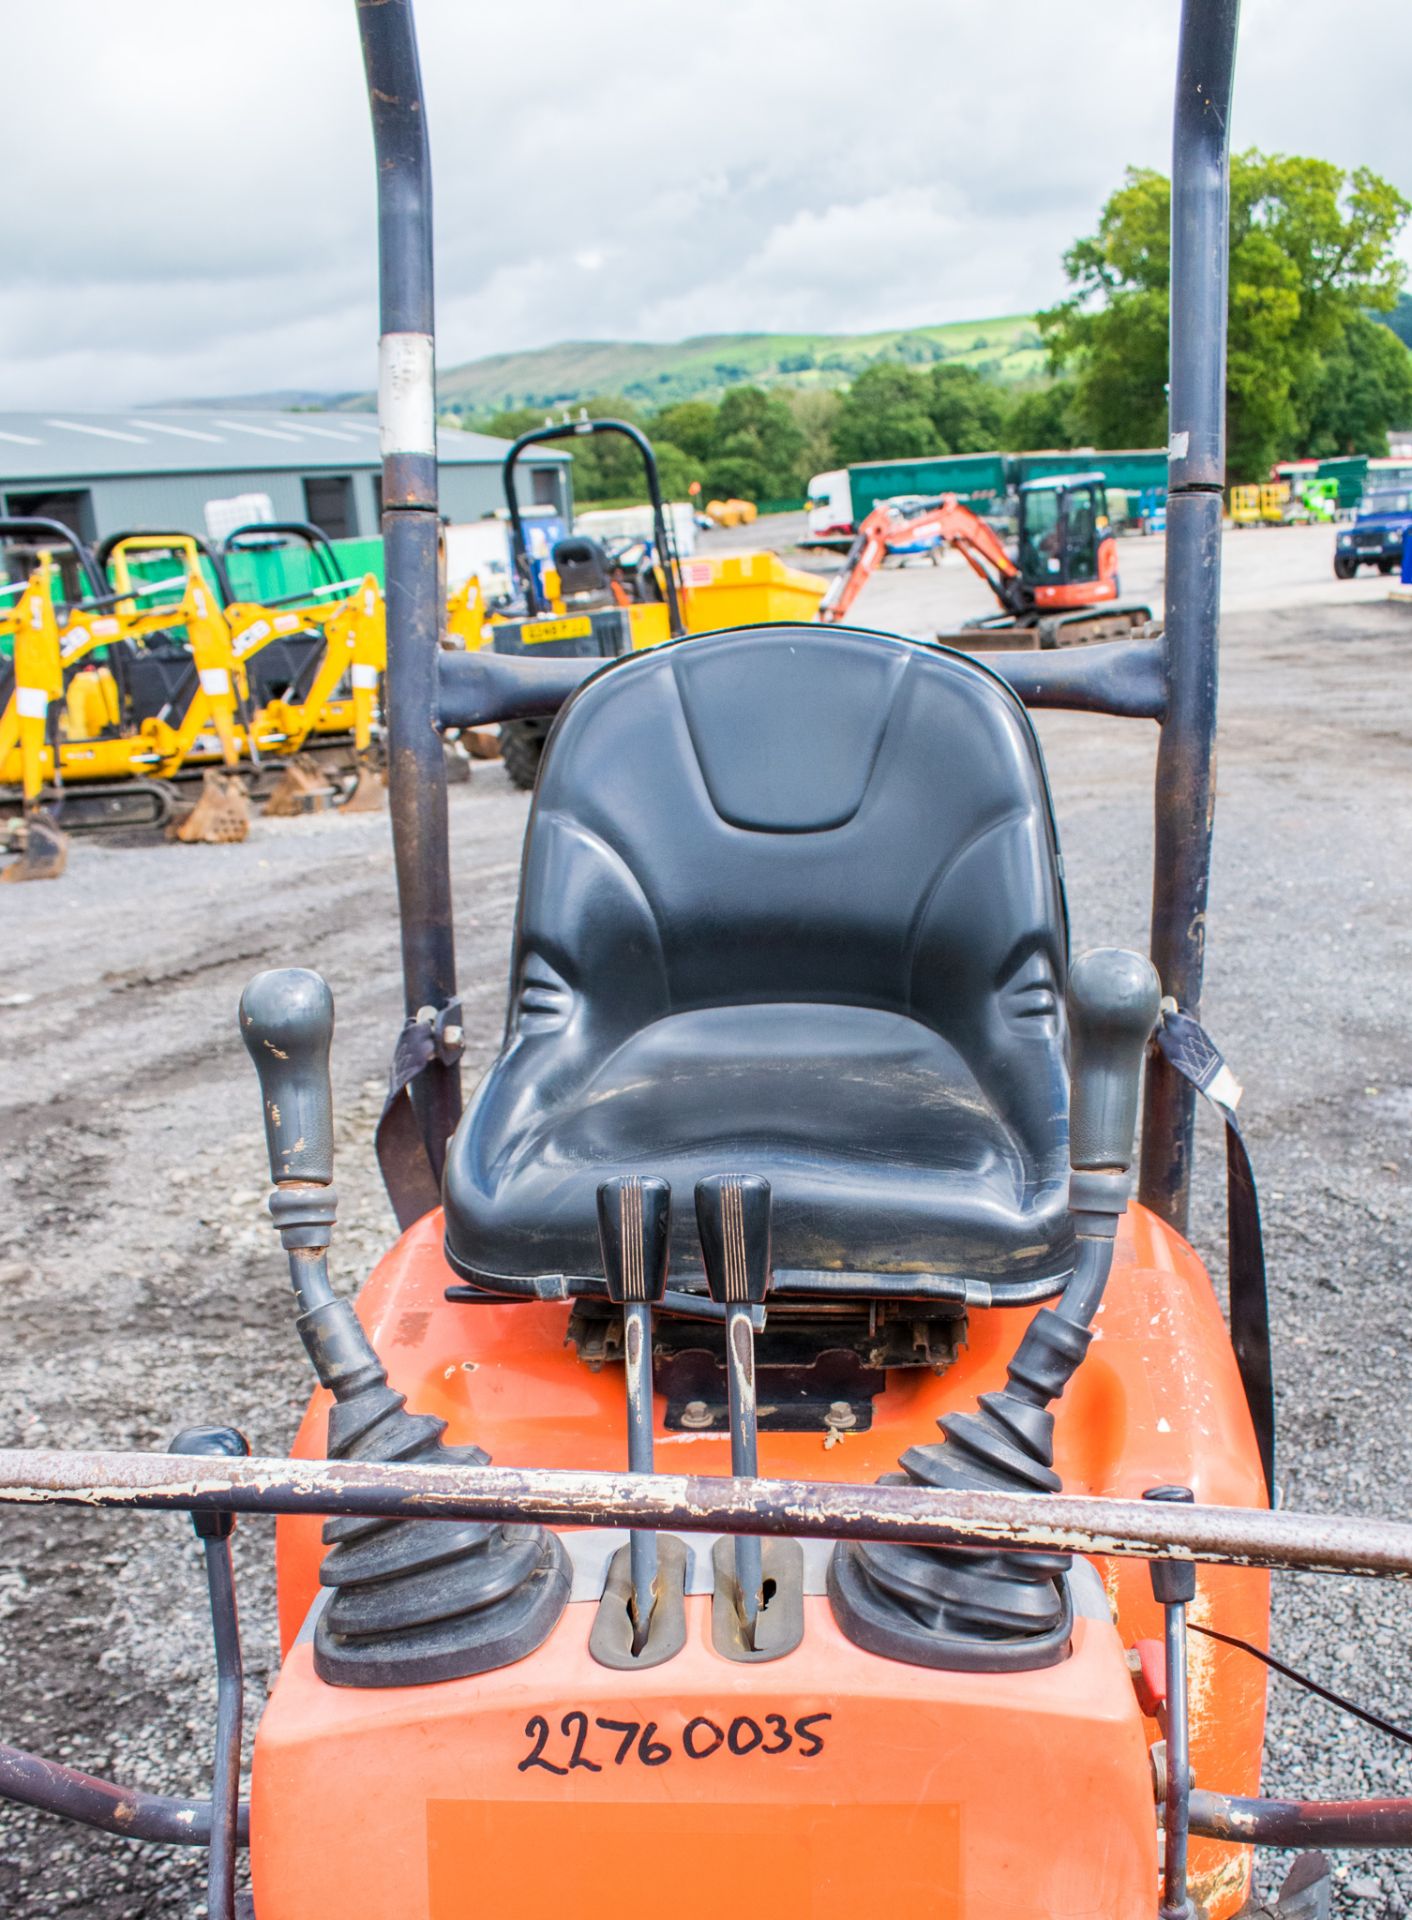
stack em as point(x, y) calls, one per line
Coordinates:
point(790, 906)
point(871, 1128)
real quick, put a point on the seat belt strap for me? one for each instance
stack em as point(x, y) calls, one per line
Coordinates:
point(1187, 1047)
point(403, 1160)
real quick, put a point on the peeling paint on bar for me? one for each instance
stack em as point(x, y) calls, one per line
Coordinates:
point(1324, 1543)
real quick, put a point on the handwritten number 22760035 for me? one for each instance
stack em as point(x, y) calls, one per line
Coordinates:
point(643, 1742)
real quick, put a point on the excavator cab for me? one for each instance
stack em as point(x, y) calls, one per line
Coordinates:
point(1067, 552)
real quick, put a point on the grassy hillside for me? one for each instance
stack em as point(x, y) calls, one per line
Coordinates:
point(656, 375)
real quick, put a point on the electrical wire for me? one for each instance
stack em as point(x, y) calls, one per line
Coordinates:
point(1389, 1727)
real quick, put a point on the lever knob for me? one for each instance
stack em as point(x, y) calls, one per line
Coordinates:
point(1114, 997)
point(286, 1022)
point(212, 1443)
point(733, 1220)
point(1173, 1581)
point(634, 1224)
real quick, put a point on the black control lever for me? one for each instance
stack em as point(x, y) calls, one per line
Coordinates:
point(935, 1605)
point(1113, 1001)
point(733, 1220)
point(286, 1022)
point(499, 1590)
point(634, 1226)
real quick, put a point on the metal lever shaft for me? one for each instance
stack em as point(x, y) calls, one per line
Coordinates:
point(634, 1227)
point(213, 1530)
point(1174, 1587)
point(733, 1220)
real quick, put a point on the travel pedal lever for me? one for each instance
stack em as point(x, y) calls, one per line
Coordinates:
point(634, 1223)
point(641, 1619)
point(733, 1220)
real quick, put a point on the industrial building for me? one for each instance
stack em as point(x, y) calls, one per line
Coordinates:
point(104, 473)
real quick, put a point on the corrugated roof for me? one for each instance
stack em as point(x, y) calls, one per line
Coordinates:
point(69, 445)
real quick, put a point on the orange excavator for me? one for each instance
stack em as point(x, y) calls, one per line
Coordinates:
point(803, 1184)
point(1059, 589)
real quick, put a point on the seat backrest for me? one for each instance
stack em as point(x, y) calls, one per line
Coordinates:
point(581, 564)
point(159, 677)
point(796, 815)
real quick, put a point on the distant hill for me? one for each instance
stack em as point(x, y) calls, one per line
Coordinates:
point(283, 400)
point(656, 374)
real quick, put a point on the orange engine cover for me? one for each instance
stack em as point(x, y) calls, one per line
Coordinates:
point(829, 1782)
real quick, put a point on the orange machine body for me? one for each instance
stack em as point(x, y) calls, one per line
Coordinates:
point(1072, 594)
point(827, 1783)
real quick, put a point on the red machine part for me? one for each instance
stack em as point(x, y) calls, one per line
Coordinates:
point(1148, 1665)
point(405, 1801)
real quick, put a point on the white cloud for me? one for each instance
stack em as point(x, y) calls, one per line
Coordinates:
point(192, 210)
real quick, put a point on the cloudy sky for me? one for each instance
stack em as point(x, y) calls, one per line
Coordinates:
point(189, 207)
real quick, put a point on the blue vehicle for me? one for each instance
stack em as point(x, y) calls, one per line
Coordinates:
point(1375, 538)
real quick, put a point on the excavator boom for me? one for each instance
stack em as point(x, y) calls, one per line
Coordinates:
point(892, 524)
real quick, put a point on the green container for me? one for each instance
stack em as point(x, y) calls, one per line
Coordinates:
point(977, 478)
point(1131, 468)
point(1351, 473)
point(273, 573)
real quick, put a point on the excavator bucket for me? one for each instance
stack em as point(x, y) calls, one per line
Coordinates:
point(301, 788)
point(43, 847)
point(368, 793)
point(220, 817)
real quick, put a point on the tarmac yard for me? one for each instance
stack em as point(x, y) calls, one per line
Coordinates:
point(142, 1289)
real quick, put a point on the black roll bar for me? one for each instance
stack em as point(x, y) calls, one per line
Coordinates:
point(33, 527)
point(411, 543)
point(246, 538)
point(563, 430)
point(1184, 796)
point(1123, 677)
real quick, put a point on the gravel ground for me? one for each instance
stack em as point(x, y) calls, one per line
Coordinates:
point(143, 1289)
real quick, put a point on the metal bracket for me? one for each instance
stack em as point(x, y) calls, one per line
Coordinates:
point(448, 1034)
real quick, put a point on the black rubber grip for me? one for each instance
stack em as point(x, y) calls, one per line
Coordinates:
point(634, 1227)
point(733, 1220)
point(286, 1022)
point(1114, 997)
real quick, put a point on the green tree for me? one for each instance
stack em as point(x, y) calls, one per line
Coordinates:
point(816, 411)
point(676, 469)
point(690, 425)
point(511, 422)
point(1041, 417)
point(1311, 247)
point(758, 451)
point(1363, 387)
point(1400, 319)
point(967, 409)
point(885, 415)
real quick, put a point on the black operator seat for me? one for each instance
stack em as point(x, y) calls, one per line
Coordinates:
point(582, 566)
point(790, 905)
